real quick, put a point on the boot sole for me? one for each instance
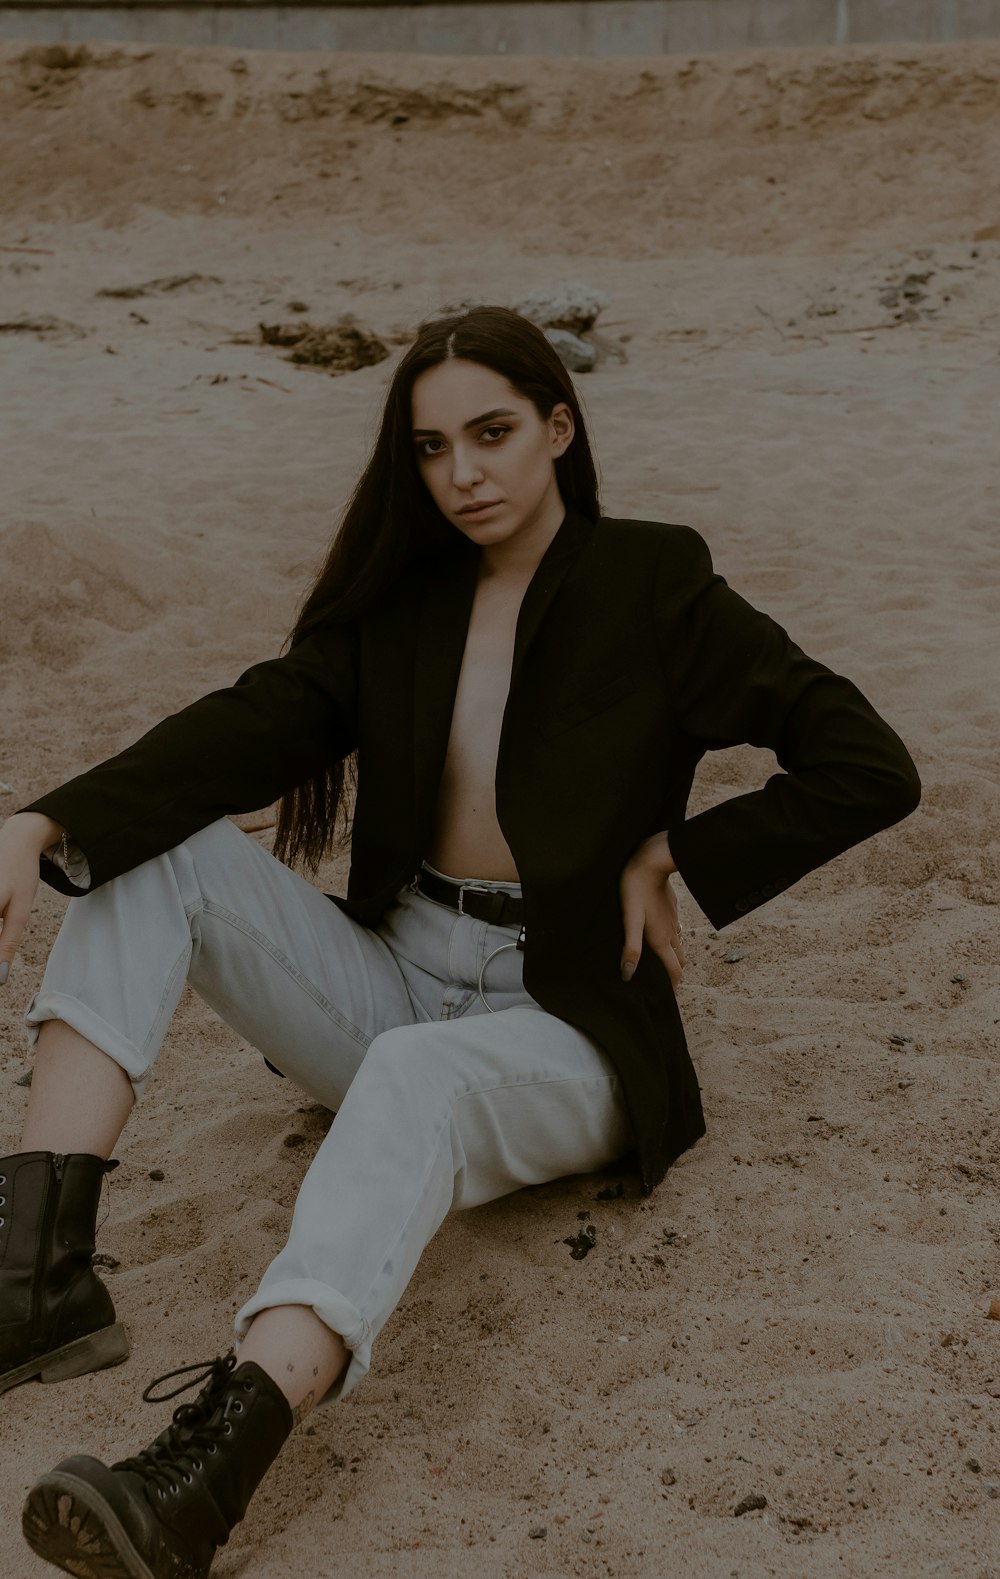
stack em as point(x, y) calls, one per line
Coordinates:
point(93, 1353)
point(67, 1522)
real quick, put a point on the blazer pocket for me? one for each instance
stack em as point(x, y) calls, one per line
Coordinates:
point(597, 701)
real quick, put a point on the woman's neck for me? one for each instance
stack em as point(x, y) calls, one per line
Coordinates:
point(517, 558)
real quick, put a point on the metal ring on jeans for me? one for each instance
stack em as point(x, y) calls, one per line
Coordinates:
point(501, 950)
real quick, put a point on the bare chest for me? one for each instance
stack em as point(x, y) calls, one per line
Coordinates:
point(483, 684)
point(468, 840)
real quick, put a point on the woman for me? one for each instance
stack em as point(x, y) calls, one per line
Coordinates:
point(526, 690)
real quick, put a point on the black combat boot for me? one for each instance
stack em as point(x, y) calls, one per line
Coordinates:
point(164, 1513)
point(56, 1316)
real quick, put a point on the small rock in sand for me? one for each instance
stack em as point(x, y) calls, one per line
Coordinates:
point(582, 1243)
point(571, 306)
point(749, 1505)
point(573, 352)
point(341, 347)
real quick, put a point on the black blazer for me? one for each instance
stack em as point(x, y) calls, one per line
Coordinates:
point(631, 660)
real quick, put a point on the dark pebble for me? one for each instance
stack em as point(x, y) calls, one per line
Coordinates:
point(298, 307)
point(537, 1532)
point(611, 1192)
point(733, 957)
point(668, 1477)
point(900, 1041)
point(974, 1465)
point(958, 979)
point(749, 1505)
point(103, 1259)
point(25, 1079)
point(583, 1242)
point(292, 1141)
point(157, 1173)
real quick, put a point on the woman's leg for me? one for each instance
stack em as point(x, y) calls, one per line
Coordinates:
point(452, 1114)
point(440, 1115)
point(298, 1351)
point(519, 1095)
point(288, 969)
point(274, 956)
point(79, 1098)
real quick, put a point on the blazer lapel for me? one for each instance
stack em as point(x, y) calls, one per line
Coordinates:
point(545, 583)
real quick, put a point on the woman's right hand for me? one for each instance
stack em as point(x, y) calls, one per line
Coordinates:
point(23, 837)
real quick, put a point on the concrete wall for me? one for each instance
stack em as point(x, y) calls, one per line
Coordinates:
point(532, 27)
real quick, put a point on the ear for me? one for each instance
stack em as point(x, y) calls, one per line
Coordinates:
point(561, 429)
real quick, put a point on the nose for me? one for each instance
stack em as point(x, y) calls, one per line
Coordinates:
point(466, 470)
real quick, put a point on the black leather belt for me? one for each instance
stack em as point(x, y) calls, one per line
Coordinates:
point(484, 904)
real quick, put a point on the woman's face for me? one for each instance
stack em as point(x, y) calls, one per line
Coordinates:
point(487, 456)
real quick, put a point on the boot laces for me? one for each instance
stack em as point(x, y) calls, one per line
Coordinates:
point(178, 1451)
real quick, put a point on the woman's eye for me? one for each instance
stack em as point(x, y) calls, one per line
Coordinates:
point(428, 448)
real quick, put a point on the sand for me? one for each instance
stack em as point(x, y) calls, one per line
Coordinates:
point(798, 1313)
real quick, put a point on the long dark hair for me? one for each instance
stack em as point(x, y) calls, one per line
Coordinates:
point(391, 524)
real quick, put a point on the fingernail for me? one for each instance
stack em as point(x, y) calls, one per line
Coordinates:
point(4, 973)
point(628, 971)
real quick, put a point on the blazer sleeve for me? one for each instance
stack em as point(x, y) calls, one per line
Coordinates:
point(737, 679)
point(235, 750)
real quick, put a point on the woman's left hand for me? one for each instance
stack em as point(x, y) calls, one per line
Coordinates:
point(649, 909)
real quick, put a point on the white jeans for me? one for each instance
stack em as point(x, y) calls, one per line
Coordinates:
point(439, 1102)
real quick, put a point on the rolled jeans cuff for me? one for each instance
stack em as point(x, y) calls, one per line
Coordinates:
point(47, 1005)
point(333, 1310)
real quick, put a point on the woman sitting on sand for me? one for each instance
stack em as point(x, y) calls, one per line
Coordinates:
point(528, 688)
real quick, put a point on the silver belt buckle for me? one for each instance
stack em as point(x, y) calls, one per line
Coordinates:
point(472, 888)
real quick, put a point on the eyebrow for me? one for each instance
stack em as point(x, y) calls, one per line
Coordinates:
point(475, 422)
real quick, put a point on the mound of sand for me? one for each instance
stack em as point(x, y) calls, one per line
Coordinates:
point(751, 152)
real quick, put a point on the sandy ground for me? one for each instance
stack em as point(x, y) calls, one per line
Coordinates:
point(798, 1313)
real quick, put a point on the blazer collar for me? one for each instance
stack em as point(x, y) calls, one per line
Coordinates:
point(546, 581)
point(442, 628)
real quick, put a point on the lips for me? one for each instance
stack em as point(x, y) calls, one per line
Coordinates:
point(479, 508)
